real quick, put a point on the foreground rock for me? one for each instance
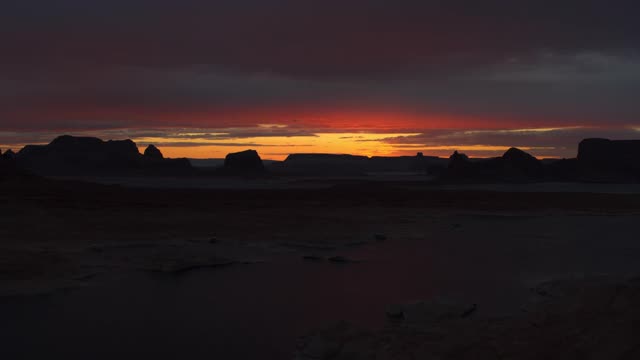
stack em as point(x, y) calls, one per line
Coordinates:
point(567, 319)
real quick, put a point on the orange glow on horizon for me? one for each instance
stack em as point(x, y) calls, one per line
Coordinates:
point(279, 147)
point(276, 132)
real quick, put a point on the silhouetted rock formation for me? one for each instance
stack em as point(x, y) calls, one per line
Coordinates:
point(599, 160)
point(563, 170)
point(323, 164)
point(152, 152)
point(74, 155)
point(459, 167)
point(352, 165)
point(244, 162)
point(514, 166)
point(9, 168)
point(69, 155)
point(517, 156)
point(8, 155)
point(323, 158)
point(517, 163)
point(458, 161)
point(602, 159)
point(418, 163)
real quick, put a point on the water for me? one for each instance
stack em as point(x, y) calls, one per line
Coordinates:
point(258, 311)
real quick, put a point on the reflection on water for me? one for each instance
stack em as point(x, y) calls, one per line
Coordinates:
point(257, 311)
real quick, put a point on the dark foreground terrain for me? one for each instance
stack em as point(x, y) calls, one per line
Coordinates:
point(242, 273)
point(592, 318)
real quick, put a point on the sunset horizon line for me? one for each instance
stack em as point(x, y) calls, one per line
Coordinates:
point(277, 141)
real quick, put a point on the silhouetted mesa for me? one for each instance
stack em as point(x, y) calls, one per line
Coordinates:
point(609, 160)
point(244, 162)
point(599, 160)
point(335, 164)
point(324, 164)
point(514, 166)
point(418, 163)
point(69, 155)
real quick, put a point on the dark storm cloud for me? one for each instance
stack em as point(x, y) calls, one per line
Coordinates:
point(177, 137)
point(557, 142)
point(542, 90)
point(309, 38)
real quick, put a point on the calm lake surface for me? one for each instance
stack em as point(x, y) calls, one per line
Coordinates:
point(258, 311)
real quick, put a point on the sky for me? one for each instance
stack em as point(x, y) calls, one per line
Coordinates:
point(203, 78)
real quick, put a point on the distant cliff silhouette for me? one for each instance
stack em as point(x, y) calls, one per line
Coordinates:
point(246, 162)
point(322, 164)
point(9, 168)
point(514, 165)
point(69, 155)
point(8, 155)
point(152, 152)
point(598, 160)
point(603, 159)
point(344, 165)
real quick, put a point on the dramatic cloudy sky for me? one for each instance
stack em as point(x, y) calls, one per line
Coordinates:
point(202, 78)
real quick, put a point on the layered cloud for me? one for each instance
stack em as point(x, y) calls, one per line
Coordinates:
point(277, 141)
point(310, 38)
point(542, 142)
point(392, 67)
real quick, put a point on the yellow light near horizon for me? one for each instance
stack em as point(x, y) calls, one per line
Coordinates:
point(277, 147)
point(481, 148)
